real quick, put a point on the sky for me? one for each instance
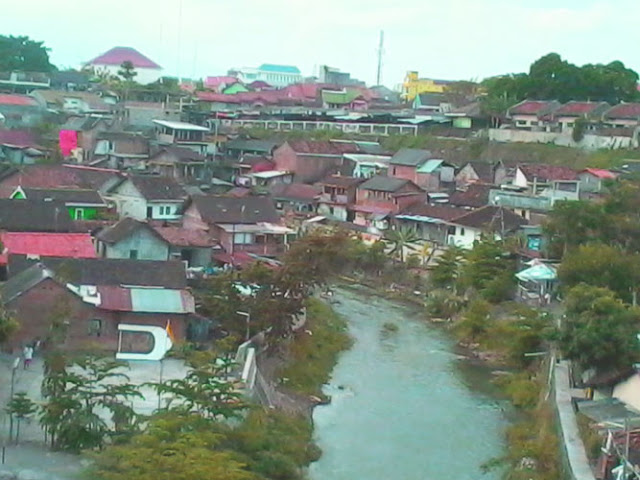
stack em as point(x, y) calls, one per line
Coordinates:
point(449, 39)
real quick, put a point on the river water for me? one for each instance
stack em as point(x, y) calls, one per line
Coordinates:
point(404, 405)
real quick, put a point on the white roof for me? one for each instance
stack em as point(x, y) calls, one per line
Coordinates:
point(270, 174)
point(261, 227)
point(181, 125)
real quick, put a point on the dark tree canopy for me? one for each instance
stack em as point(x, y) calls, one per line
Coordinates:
point(553, 78)
point(22, 53)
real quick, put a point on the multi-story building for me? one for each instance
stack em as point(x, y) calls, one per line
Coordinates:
point(274, 75)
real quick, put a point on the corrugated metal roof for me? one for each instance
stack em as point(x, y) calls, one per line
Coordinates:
point(146, 300)
point(430, 166)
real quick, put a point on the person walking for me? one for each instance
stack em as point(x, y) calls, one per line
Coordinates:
point(27, 353)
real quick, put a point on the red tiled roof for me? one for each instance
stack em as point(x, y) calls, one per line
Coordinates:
point(600, 173)
point(118, 55)
point(578, 108)
point(624, 110)
point(67, 245)
point(183, 237)
point(476, 195)
point(215, 82)
point(547, 172)
point(530, 107)
point(443, 212)
point(259, 84)
point(22, 100)
point(18, 138)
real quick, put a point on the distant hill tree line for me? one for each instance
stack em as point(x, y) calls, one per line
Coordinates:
point(553, 78)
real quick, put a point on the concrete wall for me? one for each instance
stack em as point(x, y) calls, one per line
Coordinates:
point(147, 245)
point(339, 211)
point(589, 142)
point(464, 237)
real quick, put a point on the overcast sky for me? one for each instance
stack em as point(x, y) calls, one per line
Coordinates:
point(448, 39)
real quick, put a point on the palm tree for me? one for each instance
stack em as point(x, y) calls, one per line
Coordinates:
point(400, 239)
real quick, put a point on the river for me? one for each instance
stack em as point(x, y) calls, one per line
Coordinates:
point(404, 405)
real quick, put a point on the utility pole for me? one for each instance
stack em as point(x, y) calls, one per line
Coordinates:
point(380, 54)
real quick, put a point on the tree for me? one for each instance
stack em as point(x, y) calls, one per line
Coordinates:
point(8, 325)
point(23, 54)
point(21, 407)
point(127, 71)
point(577, 133)
point(604, 266)
point(475, 321)
point(175, 446)
point(401, 239)
point(490, 270)
point(599, 331)
point(461, 92)
point(446, 272)
point(574, 223)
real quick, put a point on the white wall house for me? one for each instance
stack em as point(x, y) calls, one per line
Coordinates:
point(110, 62)
point(138, 198)
point(274, 75)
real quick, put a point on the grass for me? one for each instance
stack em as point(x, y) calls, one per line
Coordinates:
point(313, 356)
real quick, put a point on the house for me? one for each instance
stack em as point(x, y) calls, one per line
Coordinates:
point(140, 115)
point(492, 173)
point(566, 115)
point(184, 135)
point(346, 98)
point(533, 208)
point(56, 176)
point(421, 168)
point(382, 194)
point(474, 195)
point(110, 63)
point(247, 164)
point(23, 82)
point(468, 116)
point(133, 239)
point(72, 304)
point(72, 102)
point(275, 75)
point(148, 197)
point(431, 103)
point(311, 161)
point(592, 180)
point(180, 163)
point(64, 245)
point(430, 222)
point(247, 224)
point(554, 181)
point(295, 197)
point(468, 228)
point(414, 85)
point(70, 80)
point(338, 193)
point(20, 111)
point(529, 114)
point(19, 147)
point(82, 204)
point(623, 115)
point(33, 216)
point(270, 178)
point(122, 150)
point(239, 147)
point(219, 83)
point(78, 137)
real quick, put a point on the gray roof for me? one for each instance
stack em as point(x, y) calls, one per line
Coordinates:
point(259, 146)
point(33, 216)
point(383, 183)
point(155, 187)
point(66, 196)
point(24, 281)
point(124, 229)
point(410, 157)
point(81, 124)
point(247, 210)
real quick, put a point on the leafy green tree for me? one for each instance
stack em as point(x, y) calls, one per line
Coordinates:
point(577, 133)
point(573, 223)
point(175, 446)
point(490, 270)
point(23, 54)
point(475, 321)
point(401, 239)
point(446, 272)
point(127, 71)
point(8, 325)
point(599, 331)
point(604, 266)
point(21, 407)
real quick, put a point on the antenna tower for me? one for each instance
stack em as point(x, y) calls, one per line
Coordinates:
point(380, 54)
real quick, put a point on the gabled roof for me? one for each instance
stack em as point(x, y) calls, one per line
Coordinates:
point(476, 195)
point(123, 230)
point(270, 67)
point(431, 165)
point(295, 191)
point(157, 188)
point(215, 82)
point(108, 271)
point(547, 173)
point(600, 173)
point(382, 183)
point(410, 157)
point(179, 154)
point(534, 107)
point(72, 245)
point(245, 210)
point(68, 196)
point(185, 237)
point(577, 109)
point(627, 111)
point(119, 55)
point(24, 281)
point(33, 216)
point(484, 170)
point(491, 218)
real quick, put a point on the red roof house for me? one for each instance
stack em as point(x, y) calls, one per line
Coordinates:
point(529, 113)
point(623, 115)
point(109, 62)
point(67, 245)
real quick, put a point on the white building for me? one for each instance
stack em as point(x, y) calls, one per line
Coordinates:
point(109, 63)
point(274, 75)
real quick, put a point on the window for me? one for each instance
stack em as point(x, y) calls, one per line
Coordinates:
point(149, 212)
point(279, 205)
point(133, 254)
point(243, 239)
point(461, 230)
point(95, 327)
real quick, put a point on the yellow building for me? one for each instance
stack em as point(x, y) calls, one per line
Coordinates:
point(414, 85)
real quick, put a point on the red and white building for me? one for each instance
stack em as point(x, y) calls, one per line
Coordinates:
point(147, 71)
